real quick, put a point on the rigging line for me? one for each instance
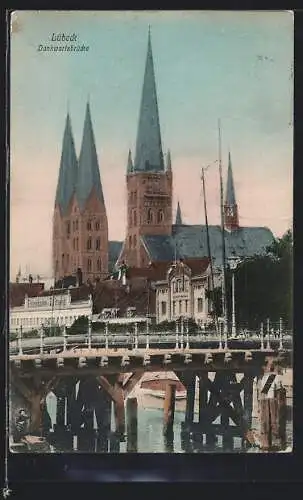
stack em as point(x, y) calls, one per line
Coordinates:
point(208, 247)
point(224, 281)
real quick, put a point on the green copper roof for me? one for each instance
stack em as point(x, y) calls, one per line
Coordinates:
point(230, 198)
point(149, 154)
point(178, 216)
point(68, 168)
point(88, 172)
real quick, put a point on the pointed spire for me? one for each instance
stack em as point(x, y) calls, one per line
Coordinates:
point(168, 161)
point(68, 168)
point(130, 166)
point(88, 173)
point(149, 154)
point(178, 216)
point(230, 198)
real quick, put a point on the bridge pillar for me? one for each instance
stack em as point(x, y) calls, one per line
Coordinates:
point(132, 424)
point(169, 409)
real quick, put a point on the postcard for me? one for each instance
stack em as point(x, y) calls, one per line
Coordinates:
point(150, 288)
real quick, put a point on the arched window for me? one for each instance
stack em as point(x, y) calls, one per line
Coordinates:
point(98, 244)
point(135, 240)
point(135, 217)
point(89, 265)
point(130, 241)
point(97, 225)
point(77, 243)
point(99, 264)
point(89, 244)
point(63, 259)
point(76, 224)
point(160, 215)
point(89, 225)
point(149, 216)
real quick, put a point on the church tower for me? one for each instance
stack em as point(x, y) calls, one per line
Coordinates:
point(148, 177)
point(231, 217)
point(80, 235)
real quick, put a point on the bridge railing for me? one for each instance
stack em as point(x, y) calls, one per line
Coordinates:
point(181, 338)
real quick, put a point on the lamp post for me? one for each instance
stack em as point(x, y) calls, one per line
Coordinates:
point(233, 264)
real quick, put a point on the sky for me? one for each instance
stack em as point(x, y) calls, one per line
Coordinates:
point(209, 65)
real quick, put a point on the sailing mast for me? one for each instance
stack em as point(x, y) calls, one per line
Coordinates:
point(208, 243)
point(224, 287)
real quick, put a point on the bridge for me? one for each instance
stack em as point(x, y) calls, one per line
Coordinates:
point(98, 363)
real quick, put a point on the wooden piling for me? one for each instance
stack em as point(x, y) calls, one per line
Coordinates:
point(169, 409)
point(282, 415)
point(132, 424)
point(190, 400)
point(119, 408)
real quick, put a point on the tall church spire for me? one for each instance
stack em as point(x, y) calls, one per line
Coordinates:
point(149, 154)
point(178, 216)
point(68, 168)
point(230, 188)
point(88, 173)
point(231, 218)
point(168, 161)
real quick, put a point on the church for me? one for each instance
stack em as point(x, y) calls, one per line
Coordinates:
point(80, 225)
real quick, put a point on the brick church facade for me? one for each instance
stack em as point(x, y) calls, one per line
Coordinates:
point(80, 228)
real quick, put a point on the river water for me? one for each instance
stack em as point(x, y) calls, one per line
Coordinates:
point(151, 439)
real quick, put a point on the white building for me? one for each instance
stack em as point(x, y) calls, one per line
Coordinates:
point(183, 293)
point(55, 309)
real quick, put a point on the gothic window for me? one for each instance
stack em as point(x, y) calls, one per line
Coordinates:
point(77, 243)
point(97, 225)
point(163, 308)
point(186, 305)
point(74, 243)
point(62, 259)
point(67, 229)
point(89, 225)
point(200, 304)
point(99, 264)
point(130, 241)
point(135, 240)
point(89, 265)
point(160, 216)
point(89, 244)
point(149, 216)
point(76, 225)
point(180, 306)
point(135, 196)
point(135, 217)
point(98, 244)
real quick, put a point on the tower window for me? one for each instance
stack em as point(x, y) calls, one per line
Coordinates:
point(77, 243)
point(135, 196)
point(97, 225)
point(76, 225)
point(160, 215)
point(89, 225)
point(99, 264)
point(68, 229)
point(149, 216)
point(135, 217)
point(62, 259)
point(74, 243)
point(98, 244)
point(130, 241)
point(89, 244)
point(135, 240)
point(89, 265)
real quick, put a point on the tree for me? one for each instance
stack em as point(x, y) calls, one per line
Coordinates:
point(263, 287)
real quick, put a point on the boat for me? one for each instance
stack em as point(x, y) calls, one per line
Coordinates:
point(30, 444)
